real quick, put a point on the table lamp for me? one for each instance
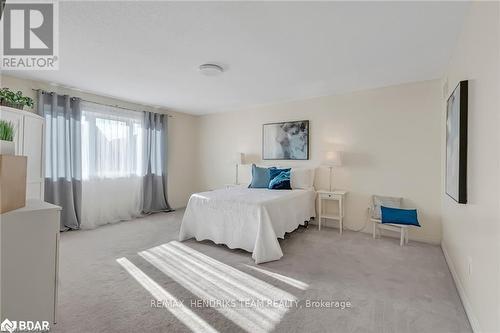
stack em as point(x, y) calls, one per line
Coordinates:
point(332, 159)
point(237, 160)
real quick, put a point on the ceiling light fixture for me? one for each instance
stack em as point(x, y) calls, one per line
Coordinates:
point(211, 69)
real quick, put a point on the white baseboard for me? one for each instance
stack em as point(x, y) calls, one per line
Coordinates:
point(474, 323)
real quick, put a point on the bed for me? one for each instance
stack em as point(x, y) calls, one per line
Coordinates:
point(247, 218)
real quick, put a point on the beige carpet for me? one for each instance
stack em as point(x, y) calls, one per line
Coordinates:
point(110, 276)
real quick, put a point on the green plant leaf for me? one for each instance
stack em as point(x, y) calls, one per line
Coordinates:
point(8, 96)
point(6, 131)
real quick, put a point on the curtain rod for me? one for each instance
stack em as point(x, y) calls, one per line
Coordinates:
point(114, 106)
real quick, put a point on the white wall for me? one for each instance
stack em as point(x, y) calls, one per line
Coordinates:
point(182, 144)
point(471, 231)
point(390, 138)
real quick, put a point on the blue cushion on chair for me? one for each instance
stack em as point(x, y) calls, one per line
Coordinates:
point(399, 216)
point(280, 181)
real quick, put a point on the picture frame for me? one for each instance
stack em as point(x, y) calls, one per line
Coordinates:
point(287, 140)
point(456, 143)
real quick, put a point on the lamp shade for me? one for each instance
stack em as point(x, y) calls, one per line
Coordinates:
point(238, 158)
point(333, 158)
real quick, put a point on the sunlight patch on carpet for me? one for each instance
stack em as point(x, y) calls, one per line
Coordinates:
point(181, 312)
point(252, 304)
point(286, 279)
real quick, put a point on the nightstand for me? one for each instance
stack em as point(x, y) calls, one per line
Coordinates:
point(339, 197)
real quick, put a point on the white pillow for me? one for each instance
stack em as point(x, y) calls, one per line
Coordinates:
point(244, 174)
point(302, 178)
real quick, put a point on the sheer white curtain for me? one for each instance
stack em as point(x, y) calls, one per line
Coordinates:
point(112, 164)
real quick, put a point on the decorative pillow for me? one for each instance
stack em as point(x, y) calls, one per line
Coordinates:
point(273, 171)
point(260, 177)
point(302, 178)
point(379, 201)
point(281, 181)
point(399, 216)
point(245, 174)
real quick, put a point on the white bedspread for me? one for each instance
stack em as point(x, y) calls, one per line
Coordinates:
point(249, 219)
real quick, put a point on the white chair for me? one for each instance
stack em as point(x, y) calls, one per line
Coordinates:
point(376, 219)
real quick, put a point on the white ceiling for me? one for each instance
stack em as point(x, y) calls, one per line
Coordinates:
point(272, 51)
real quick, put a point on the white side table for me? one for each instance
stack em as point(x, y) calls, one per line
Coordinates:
point(339, 197)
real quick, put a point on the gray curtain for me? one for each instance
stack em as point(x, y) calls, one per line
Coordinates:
point(63, 166)
point(155, 163)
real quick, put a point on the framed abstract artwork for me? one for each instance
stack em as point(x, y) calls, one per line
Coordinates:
point(286, 140)
point(456, 143)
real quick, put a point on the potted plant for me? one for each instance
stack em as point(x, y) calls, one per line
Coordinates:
point(6, 138)
point(15, 100)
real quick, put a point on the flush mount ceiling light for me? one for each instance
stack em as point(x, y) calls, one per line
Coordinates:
point(211, 69)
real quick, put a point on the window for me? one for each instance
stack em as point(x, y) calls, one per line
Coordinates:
point(112, 142)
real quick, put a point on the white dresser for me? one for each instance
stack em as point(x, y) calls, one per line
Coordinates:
point(29, 257)
point(29, 141)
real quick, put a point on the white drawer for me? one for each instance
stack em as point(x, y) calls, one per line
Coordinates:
point(330, 196)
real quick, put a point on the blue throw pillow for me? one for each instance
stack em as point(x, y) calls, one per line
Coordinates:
point(399, 216)
point(260, 177)
point(280, 181)
point(273, 172)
